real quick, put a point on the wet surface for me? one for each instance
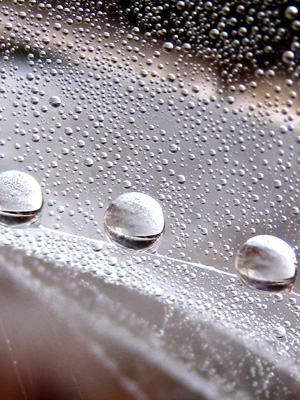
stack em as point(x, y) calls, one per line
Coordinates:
point(196, 107)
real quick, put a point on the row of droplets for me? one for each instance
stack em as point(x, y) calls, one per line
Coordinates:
point(136, 221)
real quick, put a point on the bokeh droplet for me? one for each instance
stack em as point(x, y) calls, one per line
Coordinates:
point(21, 198)
point(134, 220)
point(267, 263)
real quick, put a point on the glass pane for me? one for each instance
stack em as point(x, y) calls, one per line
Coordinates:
point(163, 136)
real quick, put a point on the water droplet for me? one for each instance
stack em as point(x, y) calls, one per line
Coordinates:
point(267, 263)
point(88, 162)
point(168, 46)
point(97, 246)
point(288, 56)
point(291, 12)
point(134, 220)
point(180, 178)
point(279, 331)
point(21, 198)
point(55, 101)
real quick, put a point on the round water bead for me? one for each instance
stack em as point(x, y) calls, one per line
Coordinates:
point(55, 101)
point(267, 263)
point(21, 198)
point(134, 220)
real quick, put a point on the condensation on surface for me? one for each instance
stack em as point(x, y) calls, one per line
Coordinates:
point(185, 318)
point(196, 105)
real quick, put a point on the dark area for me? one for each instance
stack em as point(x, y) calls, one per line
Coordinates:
point(237, 36)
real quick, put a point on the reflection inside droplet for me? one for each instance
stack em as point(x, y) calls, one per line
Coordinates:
point(134, 220)
point(267, 263)
point(21, 198)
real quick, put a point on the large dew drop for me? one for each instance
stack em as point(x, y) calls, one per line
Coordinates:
point(267, 263)
point(134, 220)
point(21, 198)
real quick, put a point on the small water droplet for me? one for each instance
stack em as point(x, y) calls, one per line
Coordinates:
point(97, 246)
point(168, 46)
point(55, 101)
point(21, 198)
point(134, 220)
point(279, 331)
point(291, 12)
point(288, 56)
point(181, 179)
point(267, 263)
point(88, 162)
